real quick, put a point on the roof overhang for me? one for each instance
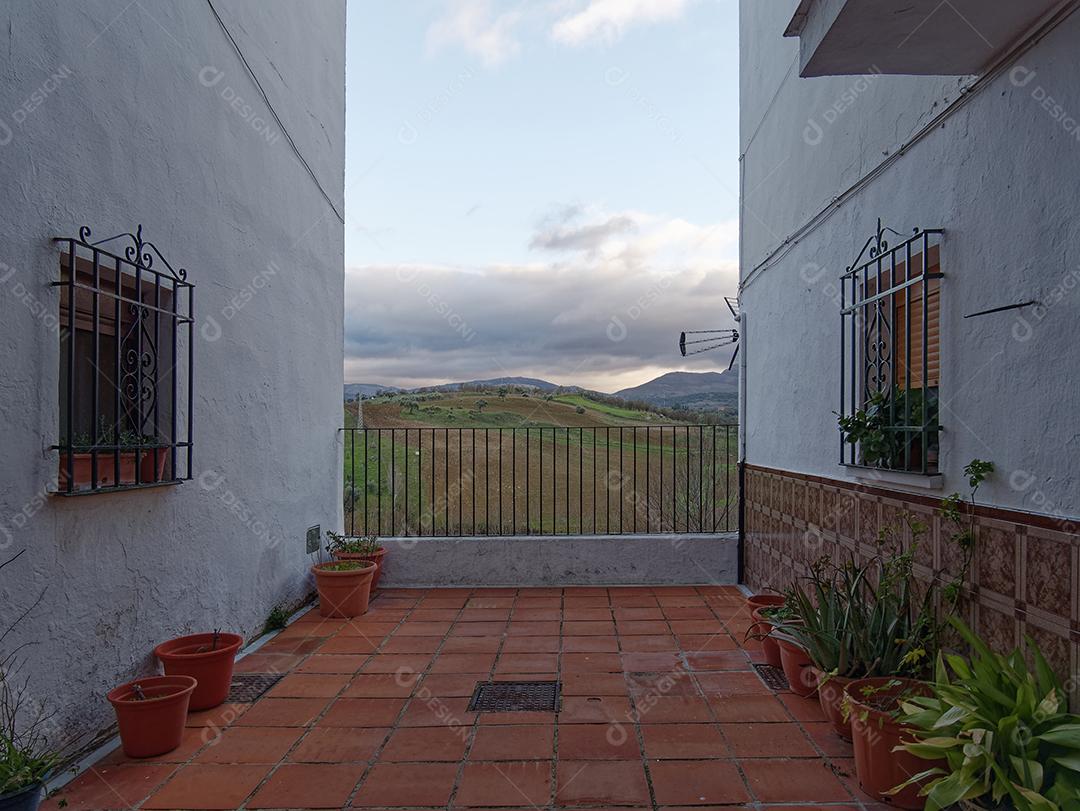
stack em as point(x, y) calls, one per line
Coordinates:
point(911, 37)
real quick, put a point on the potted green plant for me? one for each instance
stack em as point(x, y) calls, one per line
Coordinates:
point(1001, 734)
point(368, 548)
point(765, 619)
point(136, 451)
point(344, 587)
point(27, 759)
point(208, 658)
point(151, 713)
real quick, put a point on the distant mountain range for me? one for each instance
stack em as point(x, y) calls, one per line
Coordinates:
point(693, 390)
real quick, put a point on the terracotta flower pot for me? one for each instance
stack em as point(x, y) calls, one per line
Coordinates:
point(208, 661)
point(106, 472)
point(344, 593)
point(146, 465)
point(769, 646)
point(831, 696)
point(875, 734)
point(797, 667)
point(763, 600)
point(376, 558)
point(153, 724)
point(25, 799)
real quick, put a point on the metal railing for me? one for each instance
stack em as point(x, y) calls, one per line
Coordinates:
point(441, 482)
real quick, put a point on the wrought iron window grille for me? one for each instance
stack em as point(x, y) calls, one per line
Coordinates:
point(126, 364)
point(890, 352)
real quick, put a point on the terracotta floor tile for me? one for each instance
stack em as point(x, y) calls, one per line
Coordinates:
point(718, 684)
point(691, 612)
point(308, 785)
point(434, 711)
point(510, 783)
point(397, 663)
point(748, 708)
point(648, 644)
point(528, 663)
point(411, 644)
point(684, 741)
point(594, 709)
point(217, 718)
point(718, 660)
point(489, 601)
point(674, 683)
point(590, 644)
point(630, 613)
point(515, 718)
point(612, 741)
point(109, 787)
point(268, 663)
point(598, 782)
point(208, 787)
point(803, 709)
point(250, 745)
point(472, 644)
point(537, 615)
point(579, 600)
point(333, 663)
point(407, 785)
point(532, 628)
point(606, 628)
point(650, 662)
point(350, 644)
point(309, 685)
point(409, 745)
point(628, 600)
point(382, 685)
point(531, 644)
point(300, 646)
point(593, 684)
point(463, 663)
point(488, 629)
point(498, 742)
point(192, 740)
point(537, 602)
point(703, 782)
point(587, 615)
point(434, 615)
point(793, 781)
point(665, 709)
point(339, 745)
point(449, 685)
point(699, 643)
point(822, 734)
point(362, 712)
point(591, 663)
point(484, 615)
point(767, 740)
point(642, 627)
point(368, 629)
point(708, 626)
point(283, 712)
point(410, 628)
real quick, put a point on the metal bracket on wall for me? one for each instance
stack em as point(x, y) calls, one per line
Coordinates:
point(1003, 309)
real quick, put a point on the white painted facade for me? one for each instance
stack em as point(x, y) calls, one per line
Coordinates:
point(824, 158)
point(115, 114)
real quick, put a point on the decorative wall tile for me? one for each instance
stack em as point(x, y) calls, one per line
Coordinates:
point(1048, 571)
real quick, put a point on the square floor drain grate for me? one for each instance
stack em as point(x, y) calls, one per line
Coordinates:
point(248, 687)
point(773, 677)
point(516, 696)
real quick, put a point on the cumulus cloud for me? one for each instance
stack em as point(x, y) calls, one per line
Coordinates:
point(608, 20)
point(479, 29)
point(601, 307)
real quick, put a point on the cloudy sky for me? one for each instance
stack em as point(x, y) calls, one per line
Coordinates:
point(538, 187)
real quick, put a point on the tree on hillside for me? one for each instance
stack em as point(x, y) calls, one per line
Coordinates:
point(481, 405)
point(580, 409)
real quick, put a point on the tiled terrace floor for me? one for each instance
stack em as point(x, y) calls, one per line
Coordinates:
point(661, 708)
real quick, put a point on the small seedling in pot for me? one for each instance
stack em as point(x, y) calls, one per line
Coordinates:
point(138, 693)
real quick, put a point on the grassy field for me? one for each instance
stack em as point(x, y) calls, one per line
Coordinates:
point(567, 465)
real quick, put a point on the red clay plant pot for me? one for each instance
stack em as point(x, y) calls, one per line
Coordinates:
point(376, 558)
point(344, 592)
point(831, 696)
point(769, 646)
point(208, 658)
point(152, 724)
point(762, 600)
point(797, 667)
point(876, 734)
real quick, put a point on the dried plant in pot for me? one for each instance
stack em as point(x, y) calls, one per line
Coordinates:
point(208, 658)
point(368, 548)
point(151, 713)
point(765, 619)
point(344, 587)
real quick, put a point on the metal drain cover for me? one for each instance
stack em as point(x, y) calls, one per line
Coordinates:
point(516, 696)
point(248, 687)
point(773, 677)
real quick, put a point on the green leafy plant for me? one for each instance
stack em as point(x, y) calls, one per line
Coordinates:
point(878, 428)
point(352, 546)
point(1003, 731)
point(344, 566)
point(277, 619)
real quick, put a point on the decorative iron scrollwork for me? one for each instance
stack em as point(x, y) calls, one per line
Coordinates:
point(138, 252)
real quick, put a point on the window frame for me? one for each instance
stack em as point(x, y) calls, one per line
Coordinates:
point(873, 386)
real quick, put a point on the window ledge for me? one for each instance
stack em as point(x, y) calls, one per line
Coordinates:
point(121, 489)
point(916, 481)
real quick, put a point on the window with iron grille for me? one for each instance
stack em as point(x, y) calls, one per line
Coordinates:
point(891, 348)
point(125, 365)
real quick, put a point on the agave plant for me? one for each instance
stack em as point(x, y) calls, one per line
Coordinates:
point(1003, 731)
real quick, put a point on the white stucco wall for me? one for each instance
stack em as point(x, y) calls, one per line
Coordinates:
point(115, 114)
point(999, 175)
